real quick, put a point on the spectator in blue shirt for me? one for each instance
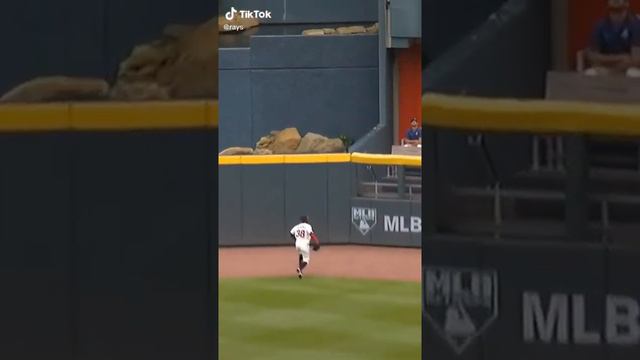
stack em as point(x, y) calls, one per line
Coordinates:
point(414, 134)
point(615, 43)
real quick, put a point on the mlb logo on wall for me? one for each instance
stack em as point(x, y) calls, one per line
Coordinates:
point(460, 303)
point(364, 219)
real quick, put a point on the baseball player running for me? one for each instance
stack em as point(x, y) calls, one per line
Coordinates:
point(303, 234)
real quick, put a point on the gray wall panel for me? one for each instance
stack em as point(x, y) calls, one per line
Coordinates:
point(314, 51)
point(332, 11)
point(35, 247)
point(306, 194)
point(234, 58)
point(357, 236)
point(416, 210)
point(263, 203)
point(85, 51)
point(339, 191)
point(32, 36)
point(235, 109)
point(331, 102)
point(142, 244)
point(230, 226)
point(394, 223)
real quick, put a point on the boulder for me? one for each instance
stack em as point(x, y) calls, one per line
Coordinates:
point(262, 152)
point(265, 142)
point(313, 32)
point(236, 151)
point(139, 91)
point(316, 143)
point(58, 88)
point(347, 30)
point(183, 63)
point(286, 141)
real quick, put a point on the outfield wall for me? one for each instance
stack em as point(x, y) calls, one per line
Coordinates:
point(262, 197)
point(107, 229)
point(531, 301)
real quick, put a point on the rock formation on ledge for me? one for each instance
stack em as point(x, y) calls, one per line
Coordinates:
point(181, 64)
point(57, 88)
point(346, 30)
point(289, 141)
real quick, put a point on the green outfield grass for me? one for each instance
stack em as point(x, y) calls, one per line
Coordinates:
point(319, 319)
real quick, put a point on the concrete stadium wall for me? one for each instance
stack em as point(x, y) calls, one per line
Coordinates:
point(259, 204)
point(308, 11)
point(81, 38)
point(589, 289)
point(326, 85)
point(107, 243)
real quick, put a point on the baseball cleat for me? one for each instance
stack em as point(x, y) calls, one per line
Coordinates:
point(299, 273)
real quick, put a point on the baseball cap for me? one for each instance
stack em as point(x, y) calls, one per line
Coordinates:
point(618, 4)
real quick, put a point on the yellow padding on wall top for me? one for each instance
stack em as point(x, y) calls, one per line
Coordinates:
point(34, 117)
point(338, 158)
point(261, 159)
point(536, 116)
point(230, 160)
point(379, 159)
point(316, 158)
point(109, 116)
point(359, 158)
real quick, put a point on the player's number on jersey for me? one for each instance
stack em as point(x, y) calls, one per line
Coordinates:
point(301, 234)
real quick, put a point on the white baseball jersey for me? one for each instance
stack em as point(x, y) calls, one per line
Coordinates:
point(302, 232)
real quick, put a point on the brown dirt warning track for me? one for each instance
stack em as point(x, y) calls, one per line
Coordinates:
point(342, 261)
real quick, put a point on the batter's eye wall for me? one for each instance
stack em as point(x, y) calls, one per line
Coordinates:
point(107, 237)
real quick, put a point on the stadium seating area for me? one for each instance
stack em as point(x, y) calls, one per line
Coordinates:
point(530, 196)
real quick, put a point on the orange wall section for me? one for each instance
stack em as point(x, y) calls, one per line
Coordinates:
point(409, 62)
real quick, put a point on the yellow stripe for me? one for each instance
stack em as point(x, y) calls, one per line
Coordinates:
point(261, 159)
point(158, 115)
point(305, 159)
point(34, 117)
point(109, 116)
point(357, 158)
point(376, 159)
point(229, 160)
point(537, 116)
point(338, 158)
point(211, 113)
